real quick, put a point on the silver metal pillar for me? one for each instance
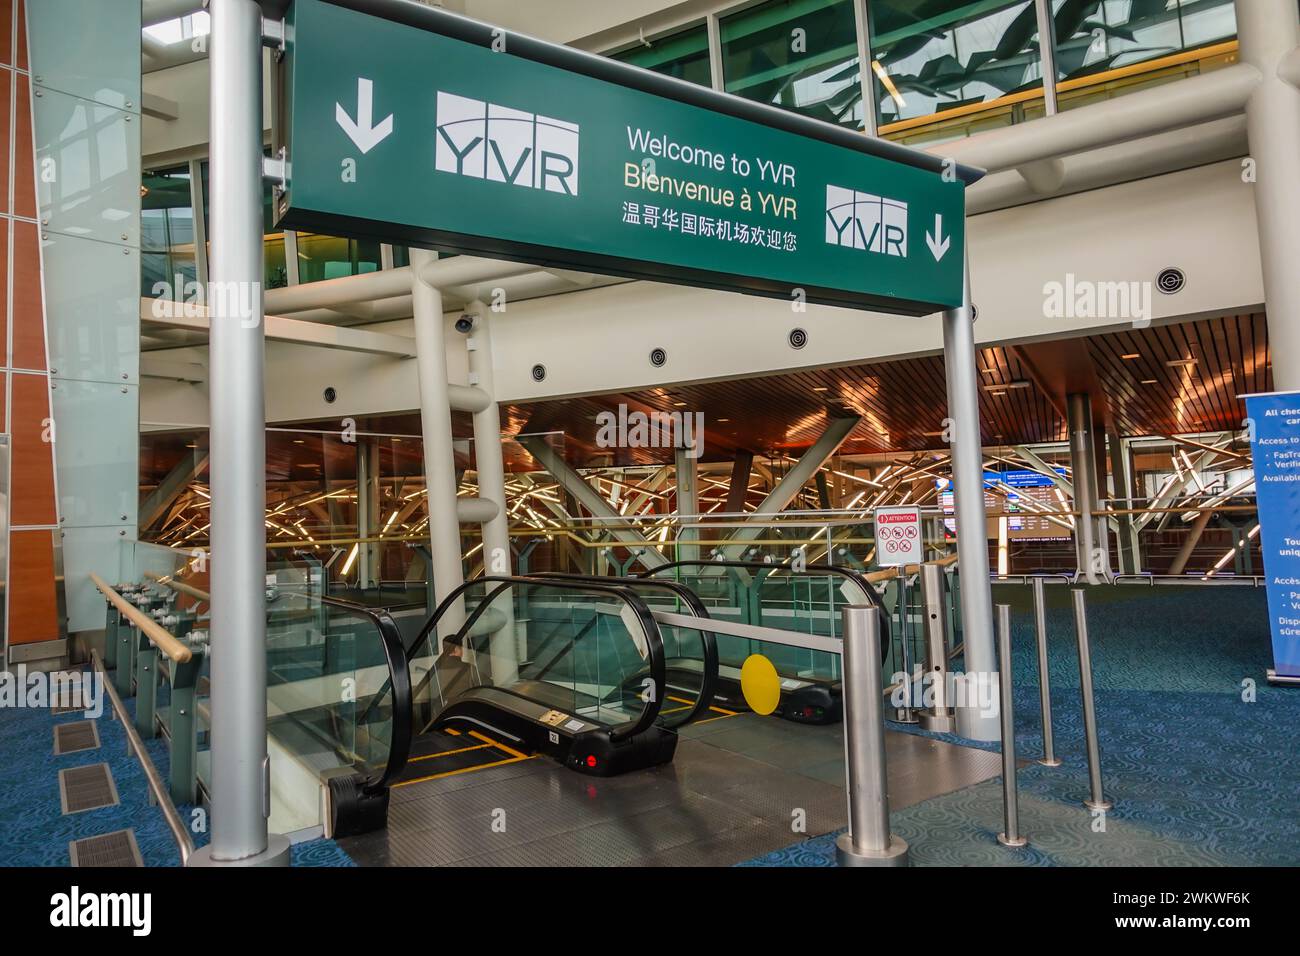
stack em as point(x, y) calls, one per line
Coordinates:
point(1047, 52)
point(938, 715)
point(369, 520)
point(1096, 799)
point(868, 841)
point(1044, 675)
point(973, 721)
point(1121, 469)
point(240, 780)
point(1010, 835)
point(435, 427)
point(1093, 560)
point(489, 464)
point(1268, 32)
point(688, 504)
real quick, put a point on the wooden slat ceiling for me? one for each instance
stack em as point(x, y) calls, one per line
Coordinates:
point(902, 403)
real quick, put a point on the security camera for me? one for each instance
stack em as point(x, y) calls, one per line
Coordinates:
point(465, 324)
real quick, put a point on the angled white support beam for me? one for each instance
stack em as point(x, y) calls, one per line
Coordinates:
point(194, 318)
point(1175, 488)
point(1046, 470)
point(576, 485)
point(170, 488)
point(1289, 68)
point(818, 453)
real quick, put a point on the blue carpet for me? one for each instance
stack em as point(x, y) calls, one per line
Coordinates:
point(1200, 774)
point(33, 829)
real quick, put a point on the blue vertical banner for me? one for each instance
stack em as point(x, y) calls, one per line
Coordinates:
point(1274, 419)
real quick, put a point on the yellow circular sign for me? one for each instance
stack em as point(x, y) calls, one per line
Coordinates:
point(759, 684)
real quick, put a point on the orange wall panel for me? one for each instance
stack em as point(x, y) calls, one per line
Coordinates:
point(24, 151)
point(6, 31)
point(29, 318)
point(4, 298)
point(6, 80)
point(20, 36)
point(31, 476)
point(33, 604)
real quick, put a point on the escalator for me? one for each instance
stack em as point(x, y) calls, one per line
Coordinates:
point(690, 654)
point(806, 599)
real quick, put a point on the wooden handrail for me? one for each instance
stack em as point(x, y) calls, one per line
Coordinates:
point(180, 586)
point(158, 636)
point(886, 574)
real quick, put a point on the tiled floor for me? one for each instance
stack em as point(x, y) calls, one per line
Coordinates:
point(738, 787)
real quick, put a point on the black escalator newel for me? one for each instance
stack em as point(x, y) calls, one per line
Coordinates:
point(354, 810)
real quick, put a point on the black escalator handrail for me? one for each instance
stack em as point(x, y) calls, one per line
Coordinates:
point(808, 570)
point(709, 677)
point(654, 642)
point(399, 683)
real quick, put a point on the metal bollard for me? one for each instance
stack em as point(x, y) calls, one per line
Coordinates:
point(907, 713)
point(868, 842)
point(1097, 800)
point(1044, 680)
point(1010, 835)
point(938, 716)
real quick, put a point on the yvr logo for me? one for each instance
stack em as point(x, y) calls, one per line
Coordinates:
point(505, 145)
point(861, 220)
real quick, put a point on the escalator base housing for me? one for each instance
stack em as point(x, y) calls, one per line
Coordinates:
point(354, 809)
point(818, 704)
point(594, 754)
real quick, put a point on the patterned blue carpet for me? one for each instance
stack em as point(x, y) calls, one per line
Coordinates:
point(1198, 752)
point(33, 829)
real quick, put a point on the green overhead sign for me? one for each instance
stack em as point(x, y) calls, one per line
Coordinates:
point(406, 123)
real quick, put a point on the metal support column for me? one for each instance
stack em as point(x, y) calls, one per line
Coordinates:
point(435, 427)
point(688, 504)
point(1269, 31)
point(240, 785)
point(1121, 469)
point(1093, 559)
point(490, 468)
point(973, 721)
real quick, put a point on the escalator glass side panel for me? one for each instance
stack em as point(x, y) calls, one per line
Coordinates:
point(591, 653)
point(690, 653)
point(332, 697)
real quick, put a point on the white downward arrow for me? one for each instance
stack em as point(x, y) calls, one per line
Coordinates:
point(937, 241)
point(366, 136)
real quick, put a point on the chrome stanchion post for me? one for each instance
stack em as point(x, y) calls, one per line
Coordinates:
point(938, 716)
point(1096, 800)
point(905, 714)
point(1044, 680)
point(1010, 835)
point(868, 841)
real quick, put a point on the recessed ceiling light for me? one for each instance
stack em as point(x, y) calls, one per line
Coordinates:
point(724, 419)
point(679, 404)
point(1129, 356)
point(997, 394)
point(1147, 381)
point(1181, 363)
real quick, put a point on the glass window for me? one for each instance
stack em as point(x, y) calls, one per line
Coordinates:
point(684, 54)
point(800, 55)
point(934, 56)
point(328, 257)
point(166, 233)
point(277, 273)
point(1095, 39)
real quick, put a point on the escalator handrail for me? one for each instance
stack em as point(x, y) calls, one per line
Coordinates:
point(709, 677)
point(654, 642)
point(399, 683)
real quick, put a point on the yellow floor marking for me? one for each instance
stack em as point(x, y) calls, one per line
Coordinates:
point(452, 773)
point(498, 744)
point(453, 731)
point(723, 716)
point(448, 753)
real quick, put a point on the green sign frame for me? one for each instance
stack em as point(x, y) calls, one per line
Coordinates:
point(406, 123)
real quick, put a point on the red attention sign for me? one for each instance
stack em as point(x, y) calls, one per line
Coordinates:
point(898, 536)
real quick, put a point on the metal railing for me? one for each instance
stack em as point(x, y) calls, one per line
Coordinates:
point(134, 745)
